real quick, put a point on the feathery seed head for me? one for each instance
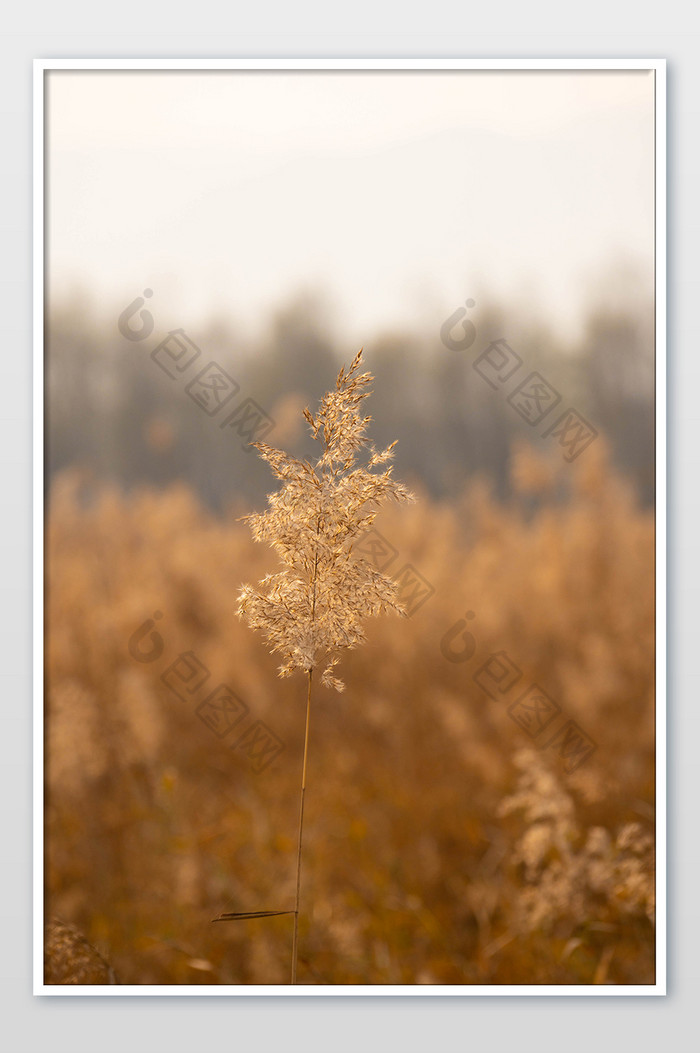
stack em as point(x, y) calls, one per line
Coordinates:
point(316, 605)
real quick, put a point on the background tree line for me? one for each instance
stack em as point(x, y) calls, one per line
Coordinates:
point(112, 410)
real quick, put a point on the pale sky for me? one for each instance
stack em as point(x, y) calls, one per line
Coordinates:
point(397, 194)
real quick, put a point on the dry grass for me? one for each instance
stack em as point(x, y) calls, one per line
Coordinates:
point(413, 871)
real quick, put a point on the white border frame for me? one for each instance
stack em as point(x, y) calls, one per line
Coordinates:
point(41, 67)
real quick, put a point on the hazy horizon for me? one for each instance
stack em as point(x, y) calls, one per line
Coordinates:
point(392, 197)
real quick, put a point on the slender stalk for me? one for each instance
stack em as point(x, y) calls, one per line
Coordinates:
point(301, 830)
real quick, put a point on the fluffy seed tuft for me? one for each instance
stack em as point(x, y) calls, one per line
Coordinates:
point(316, 605)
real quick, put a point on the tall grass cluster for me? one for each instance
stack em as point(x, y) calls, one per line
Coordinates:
point(440, 847)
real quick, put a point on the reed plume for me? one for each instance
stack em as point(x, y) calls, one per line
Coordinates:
point(315, 607)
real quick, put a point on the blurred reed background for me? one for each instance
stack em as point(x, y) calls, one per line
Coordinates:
point(411, 874)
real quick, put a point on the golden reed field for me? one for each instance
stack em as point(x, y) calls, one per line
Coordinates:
point(480, 798)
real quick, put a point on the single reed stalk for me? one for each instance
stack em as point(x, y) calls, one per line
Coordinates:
point(316, 606)
point(301, 831)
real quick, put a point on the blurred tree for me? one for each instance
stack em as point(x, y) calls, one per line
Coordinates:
point(110, 407)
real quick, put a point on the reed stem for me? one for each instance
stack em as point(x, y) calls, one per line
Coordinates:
point(301, 830)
